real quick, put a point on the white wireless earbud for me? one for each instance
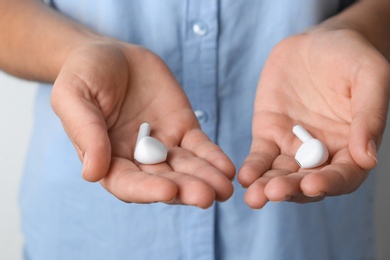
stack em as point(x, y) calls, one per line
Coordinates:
point(312, 153)
point(149, 150)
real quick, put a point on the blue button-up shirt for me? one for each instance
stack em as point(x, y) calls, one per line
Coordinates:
point(216, 49)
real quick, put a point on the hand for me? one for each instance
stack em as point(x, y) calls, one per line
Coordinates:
point(103, 93)
point(336, 85)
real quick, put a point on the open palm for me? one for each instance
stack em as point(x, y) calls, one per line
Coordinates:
point(335, 84)
point(103, 93)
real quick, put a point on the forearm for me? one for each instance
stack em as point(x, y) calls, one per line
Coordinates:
point(36, 40)
point(370, 18)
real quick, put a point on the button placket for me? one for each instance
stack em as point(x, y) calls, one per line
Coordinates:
point(200, 62)
point(199, 81)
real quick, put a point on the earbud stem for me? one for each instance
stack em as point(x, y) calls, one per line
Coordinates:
point(144, 130)
point(301, 133)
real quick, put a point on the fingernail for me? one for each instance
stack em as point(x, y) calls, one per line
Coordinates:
point(371, 151)
point(283, 200)
point(85, 164)
point(319, 194)
point(171, 201)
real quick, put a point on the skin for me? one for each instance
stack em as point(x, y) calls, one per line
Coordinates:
point(114, 87)
point(111, 104)
point(340, 99)
point(332, 79)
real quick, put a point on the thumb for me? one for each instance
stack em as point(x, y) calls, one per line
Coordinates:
point(369, 105)
point(85, 125)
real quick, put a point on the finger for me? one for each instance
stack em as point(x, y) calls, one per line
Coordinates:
point(184, 161)
point(287, 187)
point(342, 176)
point(285, 162)
point(255, 195)
point(200, 145)
point(191, 190)
point(278, 186)
point(85, 126)
point(281, 183)
point(370, 98)
point(128, 183)
point(259, 160)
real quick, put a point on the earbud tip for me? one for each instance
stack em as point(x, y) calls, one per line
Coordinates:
point(150, 151)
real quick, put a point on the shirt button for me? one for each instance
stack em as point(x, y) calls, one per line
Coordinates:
point(200, 28)
point(201, 115)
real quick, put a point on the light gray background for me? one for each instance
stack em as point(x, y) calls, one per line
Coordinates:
point(16, 104)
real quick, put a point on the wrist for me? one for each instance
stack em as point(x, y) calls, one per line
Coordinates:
point(369, 19)
point(39, 39)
